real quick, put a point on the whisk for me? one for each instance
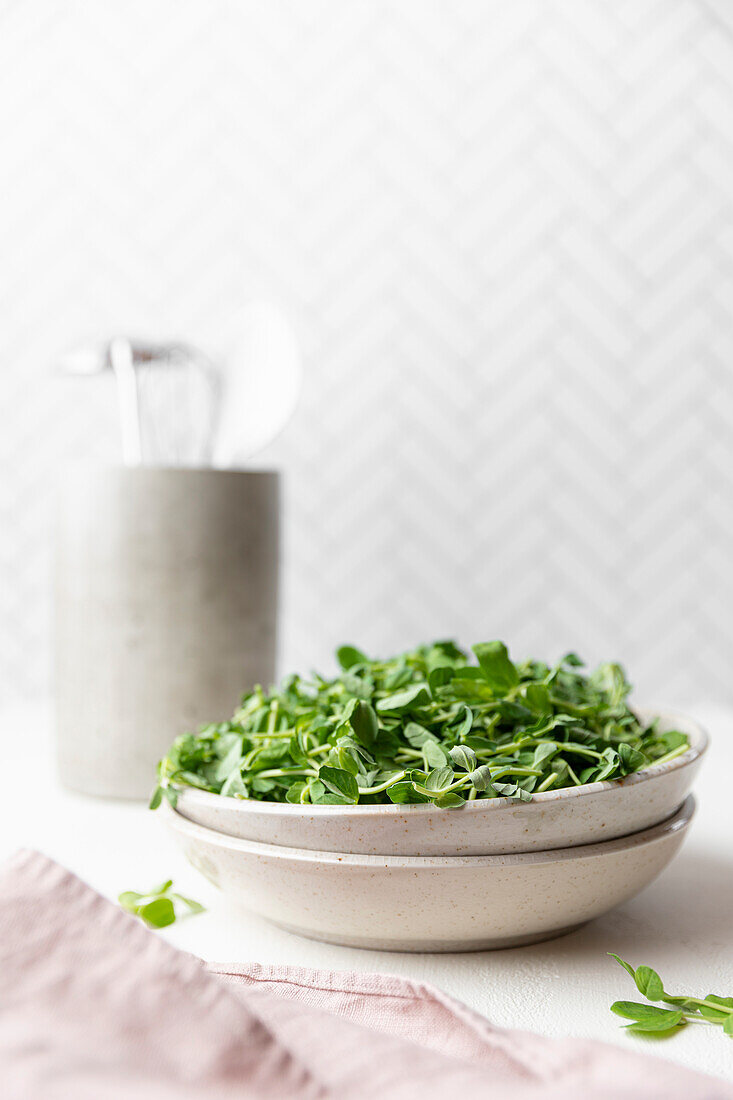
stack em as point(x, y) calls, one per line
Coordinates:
point(168, 396)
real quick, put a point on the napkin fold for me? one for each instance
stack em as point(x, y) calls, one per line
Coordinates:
point(94, 1006)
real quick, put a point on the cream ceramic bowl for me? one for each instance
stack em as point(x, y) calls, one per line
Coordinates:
point(554, 819)
point(428, 903)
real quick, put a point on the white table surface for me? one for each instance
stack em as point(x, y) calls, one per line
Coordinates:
point(682, 924)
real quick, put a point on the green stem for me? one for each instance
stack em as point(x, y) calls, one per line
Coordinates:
point(266, 734)
point(573, 776)
point(579, 750)
point(668, 756)
point(383, 786)
point(272, 716)
point(249, 758)
point(709, 1004)
point(434, 794)
point(273, 773)
point(500, 773)
point(501, 750)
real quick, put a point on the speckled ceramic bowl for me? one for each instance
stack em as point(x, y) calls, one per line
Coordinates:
point(428, 903)
point(554, 819)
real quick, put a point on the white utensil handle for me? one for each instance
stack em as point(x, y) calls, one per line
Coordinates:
point(121, 359)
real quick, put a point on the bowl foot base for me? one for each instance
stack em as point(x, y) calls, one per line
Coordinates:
point(428, 945)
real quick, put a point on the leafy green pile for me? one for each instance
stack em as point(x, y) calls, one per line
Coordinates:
point(648, 1017)
point(426, 726)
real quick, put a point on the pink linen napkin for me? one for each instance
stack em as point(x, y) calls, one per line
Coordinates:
point(94, 1006)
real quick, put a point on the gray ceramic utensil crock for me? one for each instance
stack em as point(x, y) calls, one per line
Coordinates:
point(165, 612)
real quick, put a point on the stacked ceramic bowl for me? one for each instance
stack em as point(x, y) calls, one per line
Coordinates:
point(494, 873)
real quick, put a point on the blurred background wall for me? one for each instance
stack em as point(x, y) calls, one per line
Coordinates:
point(504, 235)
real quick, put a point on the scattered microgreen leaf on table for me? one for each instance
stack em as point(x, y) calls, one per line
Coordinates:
point(160, 906)
point(430, 725)
point(652, 1018)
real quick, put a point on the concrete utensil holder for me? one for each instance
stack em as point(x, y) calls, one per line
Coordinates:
point(165, 612)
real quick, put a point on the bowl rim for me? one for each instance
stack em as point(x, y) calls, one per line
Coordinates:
point(699, 741)
point(677, 822)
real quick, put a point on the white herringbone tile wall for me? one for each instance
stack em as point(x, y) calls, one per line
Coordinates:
point(504, 233)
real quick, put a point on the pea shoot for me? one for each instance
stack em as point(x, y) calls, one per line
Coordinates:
point(678, 1010)
point(160, 906)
